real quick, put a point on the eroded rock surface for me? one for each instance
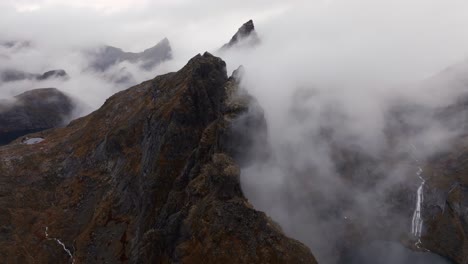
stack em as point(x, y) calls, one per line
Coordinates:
point(147, 178)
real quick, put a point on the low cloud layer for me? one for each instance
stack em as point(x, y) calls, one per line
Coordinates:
point(329, 75)
point(334, 79)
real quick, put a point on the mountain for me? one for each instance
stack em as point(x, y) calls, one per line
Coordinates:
point(379, 199)
point(444, 208)
point(434, 198)
point(106, 56)
point(150, 177)
point(33, 111)
point(444, 185)
point(16, 75)
point(246, 36)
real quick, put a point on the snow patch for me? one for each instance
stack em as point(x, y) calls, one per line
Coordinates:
point(31, 141)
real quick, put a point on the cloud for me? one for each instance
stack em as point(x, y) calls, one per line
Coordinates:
point(328, 74)
point(101, 5)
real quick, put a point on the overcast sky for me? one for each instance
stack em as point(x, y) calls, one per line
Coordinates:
point(426, 33)
point(131, 24)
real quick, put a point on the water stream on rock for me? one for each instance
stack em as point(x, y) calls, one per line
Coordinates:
point(417, 223)
point(60, 243)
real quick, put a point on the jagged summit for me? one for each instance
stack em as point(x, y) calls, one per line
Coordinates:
point(153, 176)
point(245, 36)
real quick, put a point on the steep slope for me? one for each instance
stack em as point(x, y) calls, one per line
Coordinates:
point(33, 111)
point(444, 210)
point(246, 36)
point(150, 177)
point(107, 56)
point(360, 197)
point(442, 196)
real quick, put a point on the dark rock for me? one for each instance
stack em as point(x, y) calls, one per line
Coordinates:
point(444, 213)
point(147, 178)
point(245, 36)
point(33, 111)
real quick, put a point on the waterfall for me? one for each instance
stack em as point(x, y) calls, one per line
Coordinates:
point(60, 243)
point(417, 223)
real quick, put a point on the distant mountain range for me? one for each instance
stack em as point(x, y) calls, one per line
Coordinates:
point(104, 57)
point(41, 109)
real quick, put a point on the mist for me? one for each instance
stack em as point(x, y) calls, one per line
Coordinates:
point(331, 76)
point(333, 79)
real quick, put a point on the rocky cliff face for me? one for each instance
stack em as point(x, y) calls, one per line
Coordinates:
point(444, 210)
point(33, 111)
point(150, 177)
point(373, 195)
point(443, 192)
point(437, 184)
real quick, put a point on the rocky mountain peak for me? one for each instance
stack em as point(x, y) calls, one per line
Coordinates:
point(153, 176)
point(245, 30)
point(245, 36)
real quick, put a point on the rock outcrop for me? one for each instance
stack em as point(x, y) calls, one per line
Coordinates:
point(150, 177)
point(33, 111)
point(107, 56)
point(246, 36)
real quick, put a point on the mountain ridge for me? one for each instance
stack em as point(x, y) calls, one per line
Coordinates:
point(145, 178)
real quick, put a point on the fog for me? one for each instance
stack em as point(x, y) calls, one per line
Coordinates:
point(329, 75)
point(332, 79)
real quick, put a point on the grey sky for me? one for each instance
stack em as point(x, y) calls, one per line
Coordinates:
point(425, 34)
